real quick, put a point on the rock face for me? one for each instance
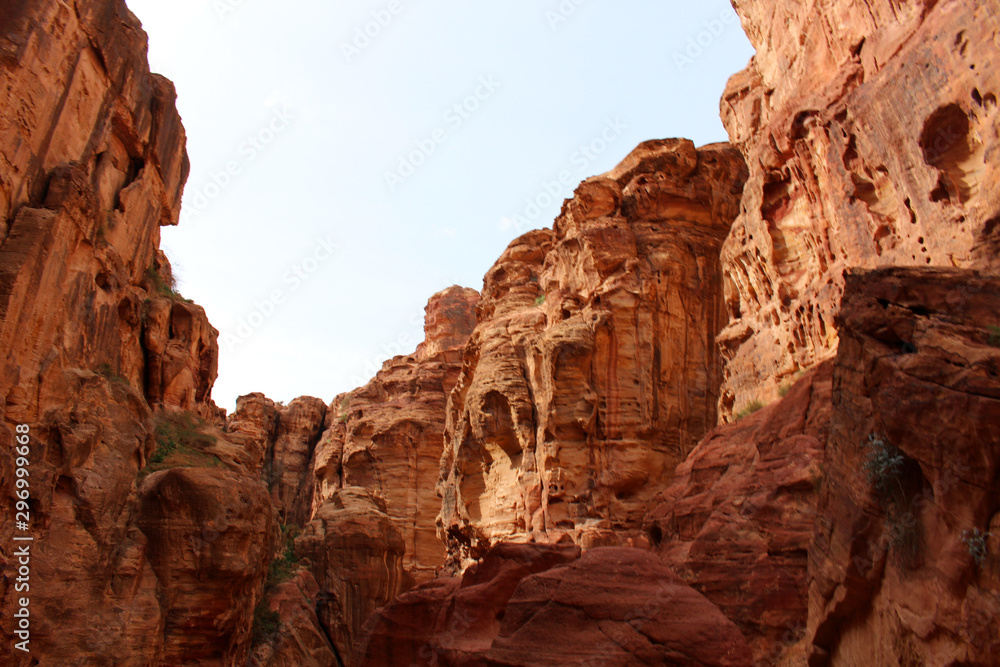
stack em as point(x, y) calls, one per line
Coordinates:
point(737, 521)
point(592, 371)
point(891, 579)
point(129, 566)
point(300, 641)
point(95, 163)
point(210, 539)
point(870, 129)
point(299, 426)
point(543, 605)
point(453, 620)
point(356, 553)
point(388, 435)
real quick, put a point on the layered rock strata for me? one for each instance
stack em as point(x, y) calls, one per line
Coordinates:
point(904, 565)
point(354, 550)
point(593, 370)
point(101, 353)
point(871, 132)
point(737, 521)
point(545, 605)
point(388, 435)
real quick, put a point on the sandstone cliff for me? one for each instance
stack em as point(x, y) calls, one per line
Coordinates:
point(870, 129)
point(904, 563)
point(135, 506)
point(592, 371)
point(388, 435)
point(838, 261)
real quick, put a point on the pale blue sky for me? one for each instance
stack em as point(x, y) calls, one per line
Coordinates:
point(294, 122)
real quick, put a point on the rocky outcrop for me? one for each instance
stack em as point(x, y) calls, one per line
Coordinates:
point(902, 568)
point(388, 435)
point(544, 605)
point(737, 521)
point(454, 620)
point(869, 129)
point(181, 346)
point(87, 548)
point(100, 352)
point(355, 552)
point(593, 370)
point(210, 540)
point(94, 160)
point(299, 426)
point(300, 641)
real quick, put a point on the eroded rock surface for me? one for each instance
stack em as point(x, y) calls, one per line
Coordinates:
point(891, 579)
point(737, 521)
point(870, 129)
point(593, 370)
point(98, 347)
point(529, 604)
point(355, 552)
point(210, 538)
point(388, 435)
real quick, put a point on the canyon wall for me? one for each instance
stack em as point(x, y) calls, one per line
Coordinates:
point(387, 436)
point(871, 133)
point(144, 551)
point(903, 566)
point(545, 479)
point(592, 371)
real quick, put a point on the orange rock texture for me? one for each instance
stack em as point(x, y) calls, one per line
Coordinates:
point(142, 554)
point(592, 371)
point(388, 435)
point(355, 551)
point(871, 132)
point(838, 261)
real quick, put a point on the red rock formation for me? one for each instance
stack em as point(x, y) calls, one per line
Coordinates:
point(543, 605)
point(89, 561)
point(388, 435)
point(890, 576)
point(299, 427)
point(867, 127)
point(211, 537)
point(737, 520)
point(93, 160)
point(300, 641)
point(593, 369)
point(453, 620)
point(252, 427)
point(355, 552)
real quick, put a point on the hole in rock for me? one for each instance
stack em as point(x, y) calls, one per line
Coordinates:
point(952, 146)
